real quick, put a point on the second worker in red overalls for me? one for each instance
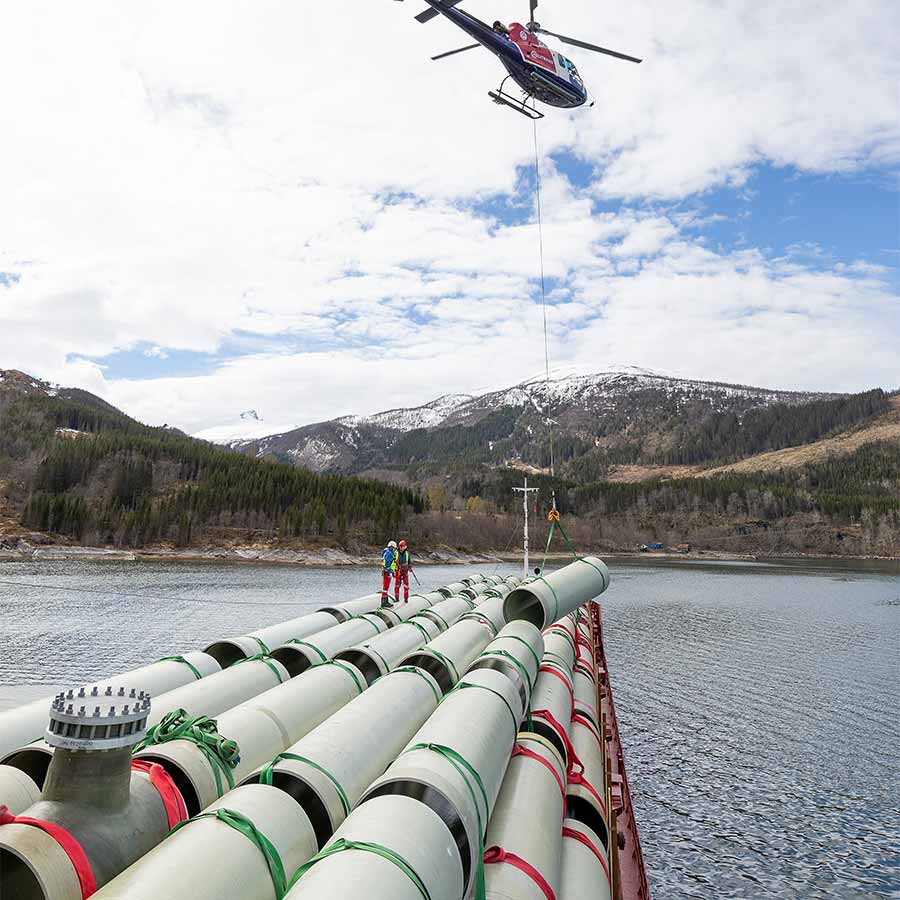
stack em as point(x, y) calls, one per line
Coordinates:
point(404, 567)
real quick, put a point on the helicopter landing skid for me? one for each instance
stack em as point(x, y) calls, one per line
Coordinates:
point(501, 98)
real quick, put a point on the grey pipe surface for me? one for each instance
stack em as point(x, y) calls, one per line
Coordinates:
point(228, 651)
point(583, 873)
point(209, 860)
point(408, 828)
point(544, 600)
point(298, 656)
point(354, 746)
point(17, 790)
point(527, 821)
point(23, 724)
point(448, 656)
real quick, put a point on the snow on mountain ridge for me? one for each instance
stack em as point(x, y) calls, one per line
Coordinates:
point(428, 415)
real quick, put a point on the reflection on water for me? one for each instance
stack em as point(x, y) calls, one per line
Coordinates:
point(758, 702)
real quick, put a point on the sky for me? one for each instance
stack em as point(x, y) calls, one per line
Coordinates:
point(213, 207)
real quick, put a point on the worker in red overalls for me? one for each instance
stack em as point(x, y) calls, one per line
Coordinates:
point(404, 567)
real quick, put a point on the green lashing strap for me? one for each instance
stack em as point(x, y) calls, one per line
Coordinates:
point(240, 823)
point(425, 634)
point(265, 776)
point(302, 643)
point(262, 644)
point(463, 685)
point(222, 753)
point(342, 844)
point(342, 665)
point(428, 613)
point(426, 678)
point(471, 777)
point(447, 662)
point(555, 615)
point(263, 658)
point(505, 654)
point(524, 643)
point(180, 659)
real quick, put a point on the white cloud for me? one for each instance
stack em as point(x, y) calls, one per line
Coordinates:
point(191, 177)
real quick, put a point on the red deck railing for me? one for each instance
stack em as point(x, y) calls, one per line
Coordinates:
point(629, 879)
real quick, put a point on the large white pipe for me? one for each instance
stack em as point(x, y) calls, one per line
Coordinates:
point(585, 693)
point(478, 723)
point(23, 724)
point(410, 831)
point(298, 656)
point(209, 859)
point(490, 612)
point(476, 578)
point(551, 704)
point(560, 640)
point(526, 825)
point(448, 656)
point(585, 790)
point(544, 600)
point(584, 867)
point(17, 790)
point(229, 650)
point(403, 610)
point(350, 608)
point(515, 651)
point(376, 657)
point(450, 590)
point(447, 611)
point(261, 728)
point(341, 757)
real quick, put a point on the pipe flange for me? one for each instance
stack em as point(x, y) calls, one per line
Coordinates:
point(98, 717)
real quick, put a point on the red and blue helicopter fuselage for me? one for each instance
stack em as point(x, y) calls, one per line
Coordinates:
point(541, 72)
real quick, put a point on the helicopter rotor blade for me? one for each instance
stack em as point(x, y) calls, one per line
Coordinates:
point(532, 6)
point(453, 52)
point(586, 46)
point(432, 13)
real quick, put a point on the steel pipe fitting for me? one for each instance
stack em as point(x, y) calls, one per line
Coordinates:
point(544, 600)
point(24, 724)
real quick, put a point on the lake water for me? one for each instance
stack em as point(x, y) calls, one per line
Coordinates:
point(758, 702)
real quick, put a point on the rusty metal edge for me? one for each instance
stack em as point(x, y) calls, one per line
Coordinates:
point(629, 877)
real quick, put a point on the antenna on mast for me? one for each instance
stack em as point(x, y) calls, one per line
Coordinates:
point(525, 492)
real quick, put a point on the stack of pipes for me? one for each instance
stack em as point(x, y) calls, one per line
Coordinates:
point(372, 766)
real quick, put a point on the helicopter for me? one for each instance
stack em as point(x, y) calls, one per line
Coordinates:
point(542, 74)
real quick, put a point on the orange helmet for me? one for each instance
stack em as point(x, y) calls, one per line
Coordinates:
point(402, 545)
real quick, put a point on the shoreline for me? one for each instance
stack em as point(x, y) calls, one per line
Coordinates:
point(329, 557)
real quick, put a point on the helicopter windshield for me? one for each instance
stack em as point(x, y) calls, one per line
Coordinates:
point(570, 66)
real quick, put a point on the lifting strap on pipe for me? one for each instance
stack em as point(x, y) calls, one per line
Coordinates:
point(482, 687)
point(498, 855)
point(342, 844)
point(577, 778)
point(524, 643)
point(240, 823)
point(348, 669)
point(180, 659)
point(263, 658)
point(583, 839)
point(417, 671)
point(262, 644)
point(520, 750)
point(173, 802)
point(222, 753)
point(411, 621)
point(466, 769)
point(505, 654)
point(265, 776)
point(313, 647)
point(67, 843)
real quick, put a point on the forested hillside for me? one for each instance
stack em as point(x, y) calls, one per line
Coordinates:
point(73, 465)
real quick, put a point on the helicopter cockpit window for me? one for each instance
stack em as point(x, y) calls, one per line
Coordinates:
point(570, 66)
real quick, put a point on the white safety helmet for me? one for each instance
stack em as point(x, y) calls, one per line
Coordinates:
point(392, 545)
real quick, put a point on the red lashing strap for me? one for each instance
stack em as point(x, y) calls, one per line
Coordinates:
point(519, 750)
point(70, 847)
point(557, 727)
point(561, 627)
point(499, 855)
point(562, 678)
point(578, 778)
point(587, 723)
point(176, 811)
point(584, 839)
